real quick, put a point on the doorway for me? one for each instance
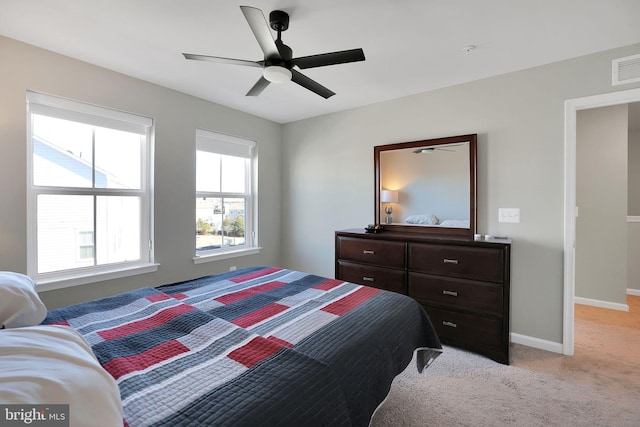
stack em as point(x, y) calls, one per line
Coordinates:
point(572, 106)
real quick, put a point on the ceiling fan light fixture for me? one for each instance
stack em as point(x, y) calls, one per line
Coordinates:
point(277, 74)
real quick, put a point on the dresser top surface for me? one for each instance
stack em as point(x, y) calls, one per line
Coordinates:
point(425, 237)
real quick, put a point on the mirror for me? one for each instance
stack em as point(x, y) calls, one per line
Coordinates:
point(427, 186)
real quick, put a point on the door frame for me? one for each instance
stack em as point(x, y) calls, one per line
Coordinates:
point(571, 108)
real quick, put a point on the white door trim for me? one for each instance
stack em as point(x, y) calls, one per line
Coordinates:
point(571, 107)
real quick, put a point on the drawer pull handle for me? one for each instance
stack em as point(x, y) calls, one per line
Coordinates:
point(368, 252)
point(449, 324)
point(450, 261)
point(450, 293)
point(368, 279)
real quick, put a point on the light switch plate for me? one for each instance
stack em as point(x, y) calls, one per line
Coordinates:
point(511, 215)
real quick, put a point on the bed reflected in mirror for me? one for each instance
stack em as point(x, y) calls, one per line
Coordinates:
point(427, 186)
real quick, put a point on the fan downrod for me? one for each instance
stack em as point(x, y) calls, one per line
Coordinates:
point(279, 20)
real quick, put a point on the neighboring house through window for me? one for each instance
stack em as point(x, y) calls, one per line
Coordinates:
point(89, 192)
point(225, 202)
point(86, 245)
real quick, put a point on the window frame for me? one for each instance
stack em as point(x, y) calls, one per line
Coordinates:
point(77, 111)
point(219, 143)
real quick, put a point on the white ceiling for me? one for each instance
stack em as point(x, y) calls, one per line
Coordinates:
point(411, 46)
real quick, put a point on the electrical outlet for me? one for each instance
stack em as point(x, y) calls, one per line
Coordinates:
point(233, 268)
point(509, 215)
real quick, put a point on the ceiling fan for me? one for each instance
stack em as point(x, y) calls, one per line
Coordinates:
point(278, 63)
point(426, 150)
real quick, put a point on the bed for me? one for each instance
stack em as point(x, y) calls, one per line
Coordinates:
point(257, 346)
point(433, 221)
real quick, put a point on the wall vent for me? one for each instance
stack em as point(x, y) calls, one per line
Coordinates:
point(626, 70)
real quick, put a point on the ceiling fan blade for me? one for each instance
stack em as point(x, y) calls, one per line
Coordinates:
point(221, 60)
point(258, 87)
point(256, 20)
point(312, 85)
point(431, 150)
point(332, 58)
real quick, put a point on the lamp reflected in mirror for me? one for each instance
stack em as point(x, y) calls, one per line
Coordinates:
point(388, 197)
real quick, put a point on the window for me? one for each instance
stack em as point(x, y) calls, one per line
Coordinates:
point(224, 195)
point(85, 245)
point(89, 192)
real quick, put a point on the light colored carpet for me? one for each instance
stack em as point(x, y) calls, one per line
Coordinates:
point(598, 386)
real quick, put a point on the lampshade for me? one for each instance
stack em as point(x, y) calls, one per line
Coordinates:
point(389, 196)
point(277, 74)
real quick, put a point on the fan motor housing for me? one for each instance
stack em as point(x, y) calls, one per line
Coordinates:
point(279, 20)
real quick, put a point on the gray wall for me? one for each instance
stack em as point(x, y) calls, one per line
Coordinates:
point(633, 255)
point(633, 280)
point(519, 118)
point(601, 196)
point(176, 116)
point(634, 172)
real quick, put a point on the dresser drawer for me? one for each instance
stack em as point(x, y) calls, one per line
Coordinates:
point(467, 329)
point(456, 293)
point(376, 277)
point(378, 252)
point(457, 261)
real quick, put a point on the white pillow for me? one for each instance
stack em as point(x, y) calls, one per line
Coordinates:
point(48, 365)
point(460, 223)
point(20, 304)
point(423, 219)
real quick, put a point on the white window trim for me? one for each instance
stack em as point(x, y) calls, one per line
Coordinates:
point(70, 279)
point(40, 103)
point(234, 253)
point(213, 142)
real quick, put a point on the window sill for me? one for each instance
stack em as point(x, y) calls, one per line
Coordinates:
point(199, 259)
point(76, 279)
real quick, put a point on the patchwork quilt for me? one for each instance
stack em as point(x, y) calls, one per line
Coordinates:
point(258, 346)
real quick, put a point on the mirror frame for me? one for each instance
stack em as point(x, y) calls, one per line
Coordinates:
point(473, 209)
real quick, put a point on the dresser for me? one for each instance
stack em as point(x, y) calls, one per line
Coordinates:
point(462, 283)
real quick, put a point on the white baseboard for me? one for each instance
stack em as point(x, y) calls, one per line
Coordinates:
point(601, 304)
point(554, 347)
point(635, 292)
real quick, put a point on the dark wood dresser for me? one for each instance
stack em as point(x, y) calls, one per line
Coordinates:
point(462, 283)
